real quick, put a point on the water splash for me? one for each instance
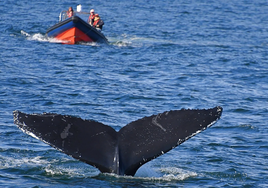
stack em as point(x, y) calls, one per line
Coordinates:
point(71, 171)
point(43, 38)
point(40, 37)
point(10, 162)
point(173, 173)
point(153, 174)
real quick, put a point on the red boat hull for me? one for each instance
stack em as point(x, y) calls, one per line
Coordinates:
point(73, 36)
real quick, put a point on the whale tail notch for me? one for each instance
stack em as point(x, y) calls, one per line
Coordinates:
point(121, 152)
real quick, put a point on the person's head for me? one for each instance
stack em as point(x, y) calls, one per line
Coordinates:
point(96, 17)
point(92, 11)
point(70, 9)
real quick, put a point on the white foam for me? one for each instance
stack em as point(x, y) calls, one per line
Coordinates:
point(40, 37)
point(162, 174)
point(71, 171)
point(10, 162)
point(174, 173)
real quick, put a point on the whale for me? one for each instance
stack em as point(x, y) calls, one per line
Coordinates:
point(120, 152)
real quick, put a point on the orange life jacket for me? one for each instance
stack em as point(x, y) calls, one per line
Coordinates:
point(91, 18)
point(96, 22)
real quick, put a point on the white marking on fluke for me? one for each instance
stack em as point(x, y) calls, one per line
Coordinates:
point(154, 121)
point(65, 132)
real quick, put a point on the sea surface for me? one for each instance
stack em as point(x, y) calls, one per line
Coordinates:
point(162, 55)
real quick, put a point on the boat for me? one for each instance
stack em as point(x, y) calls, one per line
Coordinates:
point(75, 30)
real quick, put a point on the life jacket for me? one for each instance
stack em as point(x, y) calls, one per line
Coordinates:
point(96, 22)
point(91, 17)
point(70, 14)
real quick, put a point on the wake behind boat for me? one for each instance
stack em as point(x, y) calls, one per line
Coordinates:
point(75, 29)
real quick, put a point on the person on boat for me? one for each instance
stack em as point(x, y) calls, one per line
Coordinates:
point(70, 12)
point(91, 17)
point(98, 23)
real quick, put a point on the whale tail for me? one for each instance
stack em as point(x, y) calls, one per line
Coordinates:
point(121, 152)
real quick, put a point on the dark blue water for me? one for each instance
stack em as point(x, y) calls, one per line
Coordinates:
point(162, 55)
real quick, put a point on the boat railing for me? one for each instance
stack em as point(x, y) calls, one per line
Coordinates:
point(63, 15)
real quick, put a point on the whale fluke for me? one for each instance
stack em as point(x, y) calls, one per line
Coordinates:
point(121, 152)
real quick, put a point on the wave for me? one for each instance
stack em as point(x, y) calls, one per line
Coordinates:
point(119, 41)
point(72, 169)
point(39, 37)
point(154, 174)
point(43, 38)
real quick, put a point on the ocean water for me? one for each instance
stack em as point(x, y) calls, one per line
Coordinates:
point(162, 55)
